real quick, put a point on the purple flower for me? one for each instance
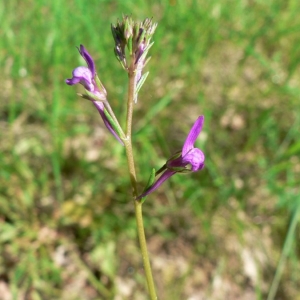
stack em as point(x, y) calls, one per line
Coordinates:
point(97, 94)
point(86, 75)
point(190, 159)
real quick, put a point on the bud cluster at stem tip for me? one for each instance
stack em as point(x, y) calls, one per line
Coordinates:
point(136, 37)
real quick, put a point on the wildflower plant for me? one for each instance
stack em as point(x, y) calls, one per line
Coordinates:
point(133, 41)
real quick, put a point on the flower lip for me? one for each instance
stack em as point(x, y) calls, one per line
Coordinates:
point(195, 158)
point(82, 75)
point(72, 81)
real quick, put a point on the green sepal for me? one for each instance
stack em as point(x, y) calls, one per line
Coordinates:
point(141, 82)
point(114, 32)
point(143, 56)
point(163, 168)
point(85, 97)
point(136, 30)
point(121, 61)
point(93, 97)
point(127, 31)
point(117, 55)
point(113, 124)
point(149, 183)
point(181, 169)
point(129, 45)
point(141, 38)
point(146, 61)
point(186, 169)
point(100, 85)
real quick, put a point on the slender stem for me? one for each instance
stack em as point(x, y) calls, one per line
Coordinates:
point(137, 203)
point(131, 167)
point(143, 245)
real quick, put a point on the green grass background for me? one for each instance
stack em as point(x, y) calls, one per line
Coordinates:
point(67, 228)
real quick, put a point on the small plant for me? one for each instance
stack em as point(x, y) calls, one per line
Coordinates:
point(133, 41)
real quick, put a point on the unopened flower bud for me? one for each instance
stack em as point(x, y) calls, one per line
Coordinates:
point(136, 37)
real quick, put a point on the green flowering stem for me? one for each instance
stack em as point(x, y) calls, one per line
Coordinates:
point(127, 141)
point(143, 245)
point(131, 167)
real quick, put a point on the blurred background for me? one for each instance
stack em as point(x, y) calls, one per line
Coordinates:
point(67, 226)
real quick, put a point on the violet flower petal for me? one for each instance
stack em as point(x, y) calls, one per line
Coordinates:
point(100, 107)
point(192, 136)
point(167, 174)
point(88, 58)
